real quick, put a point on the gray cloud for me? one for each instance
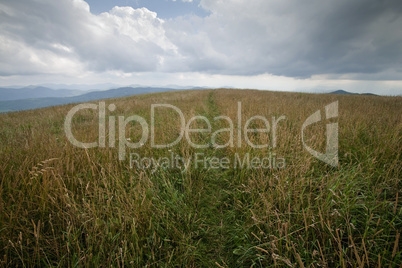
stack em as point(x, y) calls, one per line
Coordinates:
point(300, 39)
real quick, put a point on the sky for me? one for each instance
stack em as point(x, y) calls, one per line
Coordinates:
point(307, 46)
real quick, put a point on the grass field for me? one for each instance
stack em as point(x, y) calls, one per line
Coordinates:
point(65, 206)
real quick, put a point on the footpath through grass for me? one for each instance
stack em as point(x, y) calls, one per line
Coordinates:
point(216, 204)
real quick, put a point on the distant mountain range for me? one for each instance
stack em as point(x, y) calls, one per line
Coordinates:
point(38, 97)
point(32, 92)
point(343, 92)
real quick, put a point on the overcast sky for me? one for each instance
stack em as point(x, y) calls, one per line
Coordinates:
point(308, 45)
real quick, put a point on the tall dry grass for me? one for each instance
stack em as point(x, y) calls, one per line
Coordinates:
point(66, 206)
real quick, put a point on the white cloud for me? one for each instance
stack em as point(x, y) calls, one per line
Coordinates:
point(136, 24)
point(53, 34)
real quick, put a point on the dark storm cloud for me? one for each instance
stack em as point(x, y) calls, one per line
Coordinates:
point(357, 37)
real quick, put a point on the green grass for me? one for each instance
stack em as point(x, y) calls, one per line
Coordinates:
point(66, 206)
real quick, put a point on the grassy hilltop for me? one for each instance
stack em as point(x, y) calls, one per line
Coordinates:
point(65, 206)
